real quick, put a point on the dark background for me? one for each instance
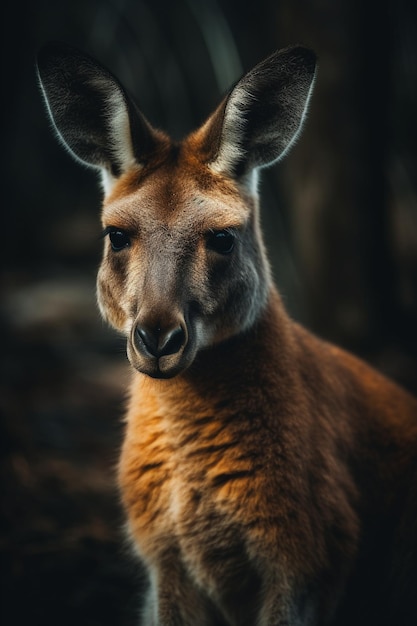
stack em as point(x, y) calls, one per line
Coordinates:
point(340, 216)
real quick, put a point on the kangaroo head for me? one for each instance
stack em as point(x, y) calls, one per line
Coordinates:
point(184, 265)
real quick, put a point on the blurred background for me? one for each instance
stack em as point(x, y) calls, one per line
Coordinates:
point(340, 215)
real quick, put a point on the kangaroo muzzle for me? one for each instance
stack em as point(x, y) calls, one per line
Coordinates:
point(159, 347)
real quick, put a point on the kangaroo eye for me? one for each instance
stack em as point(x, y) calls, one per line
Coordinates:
point(221, 241)
point(118, 240)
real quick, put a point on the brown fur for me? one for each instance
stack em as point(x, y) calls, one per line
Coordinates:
point(223, 469)
point(269, 478)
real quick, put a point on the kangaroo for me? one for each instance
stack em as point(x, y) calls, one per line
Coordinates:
point(268, 477)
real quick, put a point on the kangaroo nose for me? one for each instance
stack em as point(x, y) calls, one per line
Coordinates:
point(159, 342)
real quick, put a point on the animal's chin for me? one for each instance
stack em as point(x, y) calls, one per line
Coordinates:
point(154, 371)
point(162, 368)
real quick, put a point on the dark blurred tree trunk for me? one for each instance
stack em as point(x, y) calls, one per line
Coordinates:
point(372, 84)
point(337, 179)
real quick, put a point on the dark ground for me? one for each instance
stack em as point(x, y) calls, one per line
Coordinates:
point(61, 392)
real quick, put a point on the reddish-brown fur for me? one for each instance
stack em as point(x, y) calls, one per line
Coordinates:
point(269, 478)
point(338, 438)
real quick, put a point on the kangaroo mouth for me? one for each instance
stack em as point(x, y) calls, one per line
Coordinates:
point(157, 368)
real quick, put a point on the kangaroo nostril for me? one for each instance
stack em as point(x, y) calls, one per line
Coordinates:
point(147, 339)
point(172, 342)
point(159, 342)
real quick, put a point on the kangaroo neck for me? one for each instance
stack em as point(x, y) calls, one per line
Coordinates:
point(256, 358)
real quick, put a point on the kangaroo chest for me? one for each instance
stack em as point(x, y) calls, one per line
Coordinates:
point(197, 481)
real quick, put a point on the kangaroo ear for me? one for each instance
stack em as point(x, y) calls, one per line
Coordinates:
point(262, 116)
point(92, 114)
